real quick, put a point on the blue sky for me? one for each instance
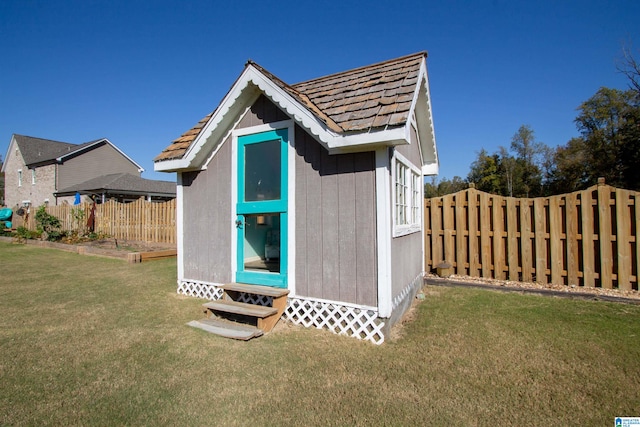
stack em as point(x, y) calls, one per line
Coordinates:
point(142, 72)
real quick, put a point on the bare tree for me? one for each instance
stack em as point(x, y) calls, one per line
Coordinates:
point(630, 68)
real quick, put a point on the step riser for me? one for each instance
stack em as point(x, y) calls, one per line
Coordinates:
point(264, 318)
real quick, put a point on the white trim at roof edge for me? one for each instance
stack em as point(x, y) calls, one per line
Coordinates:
point(8, 153)
point(253, 77)
point(426, 132)
point(96, 142)
point(432, 167)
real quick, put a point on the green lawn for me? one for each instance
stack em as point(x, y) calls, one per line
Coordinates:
point(95, 341)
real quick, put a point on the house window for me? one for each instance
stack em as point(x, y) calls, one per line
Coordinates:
point(33, 177)
point(19, 177)
point(407, 197)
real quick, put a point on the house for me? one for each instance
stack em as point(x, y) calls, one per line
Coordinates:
point(41, 171)
point(122, 187)
point(316, 187)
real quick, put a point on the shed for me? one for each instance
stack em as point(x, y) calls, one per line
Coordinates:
point(316, 187)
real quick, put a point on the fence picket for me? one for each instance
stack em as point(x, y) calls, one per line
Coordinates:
point(525, 240)
point(588, 249)
point(586, 238)
point(512, 239)
point(623, 232)
point(462, 234)
point(474, 252)
point(539, 215)
point(555, 239)
point(485, 234)
point(139, 220)
point(604, 236)
point(572, 263)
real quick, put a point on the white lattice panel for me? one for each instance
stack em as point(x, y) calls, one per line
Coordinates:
point(409, 290)
point(199, 290)
point(255, 299)
point(339, 319)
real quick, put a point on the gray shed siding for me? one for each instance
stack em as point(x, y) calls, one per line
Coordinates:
point(411, 151)
point(335, 224)
point(261, 112)
point(406, 251)
point(335, 216)
point(207, 215)
point(101, 160)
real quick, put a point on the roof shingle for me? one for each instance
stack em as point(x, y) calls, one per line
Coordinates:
point(359, 100)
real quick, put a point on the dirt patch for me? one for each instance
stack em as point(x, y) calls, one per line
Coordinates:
point(127, 245)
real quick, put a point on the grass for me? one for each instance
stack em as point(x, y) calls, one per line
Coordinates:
point(95, 341)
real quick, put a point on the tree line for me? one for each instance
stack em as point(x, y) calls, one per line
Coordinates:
point(608, 146)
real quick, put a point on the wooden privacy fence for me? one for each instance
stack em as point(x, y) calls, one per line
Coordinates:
point(137, 221)
point(586, 238)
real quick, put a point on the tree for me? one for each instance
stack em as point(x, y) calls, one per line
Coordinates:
point(516, 172)
point(608, 123)
point(437, 189)
point(630, 68)
point(529, 155)
point(485, 173)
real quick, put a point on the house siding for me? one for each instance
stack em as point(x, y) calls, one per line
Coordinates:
point(406, 251)
point(335, 224)
point(262, 112)
point(335, 216)
point(101, 160)
point(207, 216)
point(36, 193)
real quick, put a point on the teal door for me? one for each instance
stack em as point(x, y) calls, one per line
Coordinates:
point(262, 209)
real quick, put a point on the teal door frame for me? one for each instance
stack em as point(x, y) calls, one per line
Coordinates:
point(255, 207)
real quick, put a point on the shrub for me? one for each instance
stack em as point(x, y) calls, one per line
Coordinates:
point(48, 224)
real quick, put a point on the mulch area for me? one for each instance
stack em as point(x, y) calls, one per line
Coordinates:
point(581, 292)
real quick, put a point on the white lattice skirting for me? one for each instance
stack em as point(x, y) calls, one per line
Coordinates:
point(337, 318)
point(409, 291)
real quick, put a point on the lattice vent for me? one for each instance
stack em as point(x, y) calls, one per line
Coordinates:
point(199, 290)
point(416, 284)
point(339, 319)
point(255, 299)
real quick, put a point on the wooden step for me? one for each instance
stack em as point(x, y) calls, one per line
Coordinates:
point(241, 308)
point(225, 329)
point(256, 289)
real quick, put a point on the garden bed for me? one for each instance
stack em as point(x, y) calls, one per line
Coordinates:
point(132, 251)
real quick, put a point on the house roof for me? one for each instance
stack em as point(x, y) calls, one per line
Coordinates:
point(348, 111)
point(39, 151)
point(121, 183)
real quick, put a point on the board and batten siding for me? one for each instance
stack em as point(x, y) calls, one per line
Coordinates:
point(262, 111)
point(334, 216)
point(207, 215)
point(102, 160)
point(335, 224)
point(406, 251)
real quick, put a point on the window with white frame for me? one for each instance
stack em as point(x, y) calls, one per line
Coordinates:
point(33, 177)
point(407, 196)
point(19, 177)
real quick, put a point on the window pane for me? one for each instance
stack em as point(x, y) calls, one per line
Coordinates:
point(262, 171)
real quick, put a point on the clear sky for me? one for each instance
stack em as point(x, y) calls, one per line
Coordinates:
point(140, 73)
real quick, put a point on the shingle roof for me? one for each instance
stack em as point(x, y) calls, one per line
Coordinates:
point(122, 182)
point(374, 97)
point(38, 150)
point(367, 98)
